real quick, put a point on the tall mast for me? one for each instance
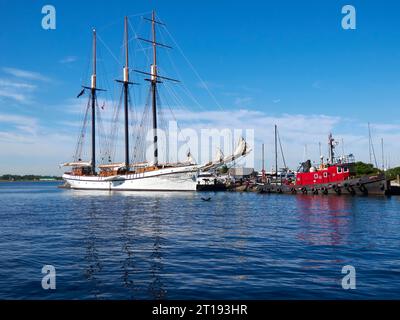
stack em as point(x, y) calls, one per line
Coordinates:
point(371, 148)
point(263, 164)
point(320, 153)
point(383, 156)
point(126, 94)
point(153, 72)
point(154, 79)
point(276, 155)
point(93, 97)
point(369, 143)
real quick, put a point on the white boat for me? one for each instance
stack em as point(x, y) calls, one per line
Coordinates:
point(139, 176)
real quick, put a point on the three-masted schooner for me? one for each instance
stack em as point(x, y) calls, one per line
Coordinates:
point(143, 176)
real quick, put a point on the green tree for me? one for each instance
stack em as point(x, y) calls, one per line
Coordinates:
point(363, 168)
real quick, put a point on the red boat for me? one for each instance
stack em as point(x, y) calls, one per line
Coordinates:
point(336, 176)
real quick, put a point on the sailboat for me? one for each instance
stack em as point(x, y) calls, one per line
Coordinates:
point(138, 176)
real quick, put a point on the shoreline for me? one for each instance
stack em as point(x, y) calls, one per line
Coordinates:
point(57, 180)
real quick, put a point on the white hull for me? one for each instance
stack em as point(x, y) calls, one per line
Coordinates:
point(169, 179)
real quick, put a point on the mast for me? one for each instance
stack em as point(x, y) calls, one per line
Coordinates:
point(369, 143)
point(276, 155)
point(153, 72)
point(154, 79)
point(93, 97)
point(126, 94)
point(320, 153)
point(383, 156)
point(263, 164)
point(371, 148)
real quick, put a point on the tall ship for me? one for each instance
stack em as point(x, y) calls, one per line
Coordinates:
point(132, 175)
point(335, 175)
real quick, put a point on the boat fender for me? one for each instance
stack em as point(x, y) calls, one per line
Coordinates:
point(293, 190)
point(363, 189)
point(338, 190)
point(351, 191)
point(324, 190)
point(279, 190)
point(346, 185)
point(304, 190)
point(314, 190)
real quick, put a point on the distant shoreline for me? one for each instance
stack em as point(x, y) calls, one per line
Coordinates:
point(28, 178)
point(55, 180)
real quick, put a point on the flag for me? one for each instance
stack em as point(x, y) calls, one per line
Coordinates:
point(81, 93)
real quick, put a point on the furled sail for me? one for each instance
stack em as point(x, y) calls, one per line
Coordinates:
point(219, 156)
point(79, 164)
point(241, 150)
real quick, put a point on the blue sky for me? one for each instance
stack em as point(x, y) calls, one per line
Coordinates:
point(265, 62)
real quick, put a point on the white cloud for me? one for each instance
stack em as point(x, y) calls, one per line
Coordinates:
point(18, 85)
point(68, 59)
point(19, 97)
point(243, 101)
point(18, 120)
point(25, 74)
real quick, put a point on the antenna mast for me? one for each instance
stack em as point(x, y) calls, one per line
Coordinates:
point(331, 149)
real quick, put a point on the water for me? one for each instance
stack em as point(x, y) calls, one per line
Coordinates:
point(176, 246)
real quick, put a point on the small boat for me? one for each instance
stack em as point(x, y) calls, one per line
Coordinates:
point(206, 181)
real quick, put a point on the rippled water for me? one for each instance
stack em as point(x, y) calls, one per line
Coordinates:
point(176, 246)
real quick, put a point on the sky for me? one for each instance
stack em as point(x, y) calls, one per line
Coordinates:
point(242, 65)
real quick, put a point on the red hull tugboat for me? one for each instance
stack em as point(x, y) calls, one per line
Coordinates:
point(336, 176)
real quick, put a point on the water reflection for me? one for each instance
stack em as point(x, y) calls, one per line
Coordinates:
point(324, 220)
point(94, 265)
point(156, 287)
point(128, 264)
point(128, 234)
